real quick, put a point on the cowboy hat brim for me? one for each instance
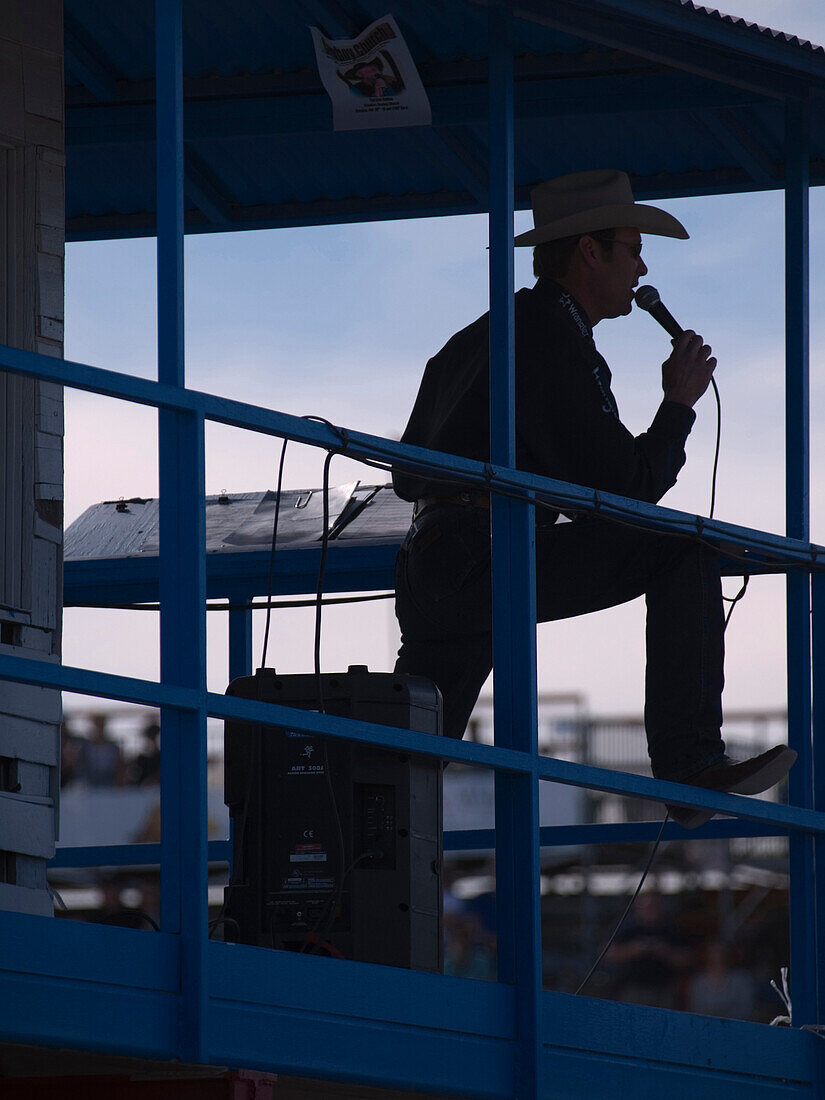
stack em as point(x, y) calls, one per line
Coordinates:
point(647, 219)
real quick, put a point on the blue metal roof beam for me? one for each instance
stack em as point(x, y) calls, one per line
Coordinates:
point(591, 62)
point(90, 64)
point(678, 36)
point(83, 59)
point(452, 105)
point(200, 189)
point(92, 227)
point(82, 227)
point(741, 145)
point(448, 148)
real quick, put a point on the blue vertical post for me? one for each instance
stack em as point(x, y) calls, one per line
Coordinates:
point(169, 121)
point(797, 525)
point(514, 600)
point(240, 664)
point(184, 866)
point(240, 642)
point(818, 775)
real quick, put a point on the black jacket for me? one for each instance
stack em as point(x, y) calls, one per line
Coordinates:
point(567, 421)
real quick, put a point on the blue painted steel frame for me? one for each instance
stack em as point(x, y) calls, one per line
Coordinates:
point(189, 698)
point(184, 867)
point(518, 898)
point(806, 595)
point(174, 995)
point(803, 910)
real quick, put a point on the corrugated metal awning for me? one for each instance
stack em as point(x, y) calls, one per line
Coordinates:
point(687, 100)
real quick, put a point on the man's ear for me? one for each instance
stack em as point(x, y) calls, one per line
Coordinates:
point(588, 250)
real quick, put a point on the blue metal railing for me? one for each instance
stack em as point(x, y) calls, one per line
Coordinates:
point(181, 693)
point(186, 705)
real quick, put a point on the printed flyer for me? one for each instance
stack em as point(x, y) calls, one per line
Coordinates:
point(372, 79)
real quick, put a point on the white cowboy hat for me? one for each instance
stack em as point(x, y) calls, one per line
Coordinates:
point(585, 202)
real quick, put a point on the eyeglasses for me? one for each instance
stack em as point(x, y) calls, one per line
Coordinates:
point(635, 249)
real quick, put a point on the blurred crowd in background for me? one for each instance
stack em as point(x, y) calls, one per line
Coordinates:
point(97, 759)
point(712, 952)
point(667, 954)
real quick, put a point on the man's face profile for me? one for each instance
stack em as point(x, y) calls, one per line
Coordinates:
point(618, 271)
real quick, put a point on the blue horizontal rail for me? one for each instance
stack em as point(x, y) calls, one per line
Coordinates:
point(127, 855)
point(151, 693)
point(241, 577)
point(238, 577)
point(455, 840)
point(776, 550)
point(121, 987)
point(618, 832)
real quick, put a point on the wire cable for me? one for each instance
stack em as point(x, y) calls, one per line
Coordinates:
point(716, 448)
point(275, 604)
point(255, 771)
point(56, 897)
point(314, 937)
point(503, 486)
point(329, 912)
point(627, 518)
point(219, 920)
point(272, 551)
point(241, 824)
point(322, 564)
point(734, 600)
point(141, 914)
point(627, 908)
point(621, 522)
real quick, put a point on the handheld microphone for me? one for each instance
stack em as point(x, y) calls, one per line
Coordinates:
point(647, 298)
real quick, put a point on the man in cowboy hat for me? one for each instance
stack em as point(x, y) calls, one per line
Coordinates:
point(587, 256)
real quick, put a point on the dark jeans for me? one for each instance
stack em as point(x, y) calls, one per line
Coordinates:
point(443, 605)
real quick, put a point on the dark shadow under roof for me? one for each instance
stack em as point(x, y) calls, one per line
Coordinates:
point(687, 100)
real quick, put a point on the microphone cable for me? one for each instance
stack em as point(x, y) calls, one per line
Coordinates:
point(328, 915)
point(627, 908)
point(647, 298)
point(732, 600)
point(716, 448)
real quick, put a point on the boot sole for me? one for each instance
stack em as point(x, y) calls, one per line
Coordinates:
point(771, 772)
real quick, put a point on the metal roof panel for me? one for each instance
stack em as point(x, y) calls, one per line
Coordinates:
point(688, 99)
point(739, 21)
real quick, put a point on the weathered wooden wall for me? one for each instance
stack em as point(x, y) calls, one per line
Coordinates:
point(31, 444)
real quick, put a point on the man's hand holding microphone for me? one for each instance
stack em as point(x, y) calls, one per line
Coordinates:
point(688, 371)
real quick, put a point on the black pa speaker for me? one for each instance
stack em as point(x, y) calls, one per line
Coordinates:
point(337, 845)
